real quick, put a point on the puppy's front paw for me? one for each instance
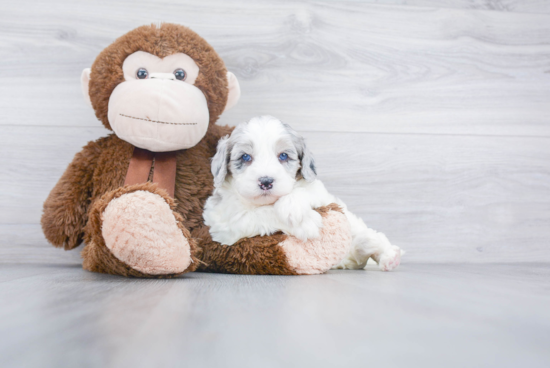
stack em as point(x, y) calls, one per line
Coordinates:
point(291, 210)
point(309, 227)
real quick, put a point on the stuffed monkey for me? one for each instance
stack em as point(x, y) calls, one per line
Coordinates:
point(136, 196)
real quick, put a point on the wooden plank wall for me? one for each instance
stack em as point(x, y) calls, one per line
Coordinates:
point(431, 119)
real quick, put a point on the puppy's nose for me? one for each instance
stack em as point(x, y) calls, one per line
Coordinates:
point(265, 182)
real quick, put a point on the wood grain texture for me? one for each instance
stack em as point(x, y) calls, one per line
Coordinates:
point(429, 118)
point(523, 6)
point(328, 66)
point(430, 121)
point(442, 198)
point(419, 316)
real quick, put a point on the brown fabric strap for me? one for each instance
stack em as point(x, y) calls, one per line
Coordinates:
point(140, 166)
point(164, 173)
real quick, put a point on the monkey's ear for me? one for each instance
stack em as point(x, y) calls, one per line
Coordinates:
point(234, 91)
point(85, 82)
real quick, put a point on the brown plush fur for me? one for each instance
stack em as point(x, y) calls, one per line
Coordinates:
point(331, 207)
point(163, 40)
point(72, 212)
point(260, 255)
point(92, 173)
point(97, 173)
point(97, 256)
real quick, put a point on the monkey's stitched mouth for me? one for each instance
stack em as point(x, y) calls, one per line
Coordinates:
point(156, 121)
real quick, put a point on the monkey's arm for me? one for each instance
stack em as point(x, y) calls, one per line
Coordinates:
point(66, 208)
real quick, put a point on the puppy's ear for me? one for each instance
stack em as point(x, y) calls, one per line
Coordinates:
point(220, 161)
point(307, 162)
point(308, 170)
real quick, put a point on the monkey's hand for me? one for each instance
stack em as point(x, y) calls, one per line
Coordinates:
point(65, 209)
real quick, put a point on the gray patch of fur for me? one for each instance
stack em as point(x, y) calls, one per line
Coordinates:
point(227, 159)
point(220, 161)
point(239, 145)
point(307, 162)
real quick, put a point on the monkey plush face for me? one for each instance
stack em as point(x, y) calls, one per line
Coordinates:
point(157, 106)
point(159, 88)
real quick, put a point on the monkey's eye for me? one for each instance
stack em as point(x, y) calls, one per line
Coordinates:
point(142, 73)
point(180, 74)
point(246, 157)
point(283, 157)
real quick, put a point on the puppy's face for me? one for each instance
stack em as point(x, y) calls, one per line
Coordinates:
point(263, 159)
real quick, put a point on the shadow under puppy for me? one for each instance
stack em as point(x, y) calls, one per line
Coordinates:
point(265, 181)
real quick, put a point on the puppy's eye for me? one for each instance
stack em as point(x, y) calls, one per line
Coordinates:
point(180, 74)
point(142, 73)
point(283, 157)
point(246, 157)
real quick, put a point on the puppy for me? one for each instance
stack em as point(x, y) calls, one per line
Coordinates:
point(265, 181)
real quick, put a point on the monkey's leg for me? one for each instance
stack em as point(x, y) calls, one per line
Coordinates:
point(279, 254)
point(134, 231)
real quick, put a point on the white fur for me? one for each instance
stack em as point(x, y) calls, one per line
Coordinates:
point(239, 208)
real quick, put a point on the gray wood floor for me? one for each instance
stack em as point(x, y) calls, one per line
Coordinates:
point(430, 118)
point(423, 315)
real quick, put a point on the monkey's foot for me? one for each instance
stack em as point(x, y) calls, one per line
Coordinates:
point(141, 231)
point(318, 255)
point(134, 231)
